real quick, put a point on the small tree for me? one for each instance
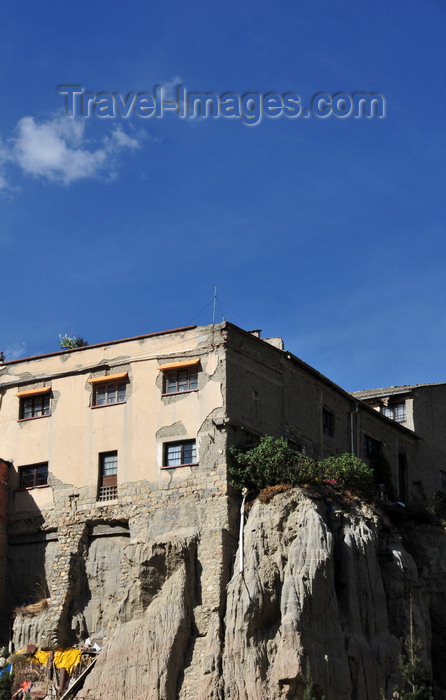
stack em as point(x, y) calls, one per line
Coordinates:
point(415, 672)
point(308, 692)
point(414, 669)
point(309, 687)
point(6, 680)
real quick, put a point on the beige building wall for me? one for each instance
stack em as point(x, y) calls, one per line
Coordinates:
point(55, 529)
point(74, 434)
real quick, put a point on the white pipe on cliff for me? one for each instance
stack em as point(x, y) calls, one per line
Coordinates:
point(240, 538)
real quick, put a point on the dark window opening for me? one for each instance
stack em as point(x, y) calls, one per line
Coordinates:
point(32, 476)
point(328, 422)
point(402, 477)
point(372, 448)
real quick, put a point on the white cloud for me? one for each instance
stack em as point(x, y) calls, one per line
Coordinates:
point(119, 139)
point(59, 151)
point(3, 159)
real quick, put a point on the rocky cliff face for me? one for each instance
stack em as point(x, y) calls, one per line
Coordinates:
point(328, 588)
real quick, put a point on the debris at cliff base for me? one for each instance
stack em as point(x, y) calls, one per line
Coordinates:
point(45, 674)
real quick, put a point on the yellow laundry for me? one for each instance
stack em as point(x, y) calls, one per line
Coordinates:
point(63, 658)
point(67, 658)
point(40, 657)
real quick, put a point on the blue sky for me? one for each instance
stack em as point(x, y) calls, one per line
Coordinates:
point(326, 231)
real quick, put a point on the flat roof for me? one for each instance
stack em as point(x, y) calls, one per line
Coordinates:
point(392, 390)
point(63, 351)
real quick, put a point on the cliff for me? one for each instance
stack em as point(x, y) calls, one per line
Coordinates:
point(328, 588)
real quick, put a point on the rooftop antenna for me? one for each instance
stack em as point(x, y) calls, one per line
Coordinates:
point(215, 306)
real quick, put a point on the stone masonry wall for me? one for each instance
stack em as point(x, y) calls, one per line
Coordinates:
point(151, 512)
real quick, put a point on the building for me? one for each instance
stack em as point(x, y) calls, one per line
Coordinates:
point(422, 409)
point(124, 441)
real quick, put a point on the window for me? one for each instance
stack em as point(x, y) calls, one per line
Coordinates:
point(328, 422)
point(34, 475)
point(402, 477)
point(180, 380)
point(109, 389)
point(108, 393)
point(108, 476)
point(180, 376)
point(34, 403)
point(395, 411)
point(371, 447)
point(178, 454)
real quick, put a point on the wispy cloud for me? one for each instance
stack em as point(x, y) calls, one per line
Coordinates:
point(3, 159)
point(15, 351)
point(170, 85)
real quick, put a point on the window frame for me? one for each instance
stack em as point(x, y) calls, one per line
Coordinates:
point(181, 444)
point(191, 377)
point(107, 482)
point(105, 386)
point(395, 411)
point(34, 468)
point(190, 368)
point(103, 383)
point(44, 397)
point(328, 422)
point(372, 447)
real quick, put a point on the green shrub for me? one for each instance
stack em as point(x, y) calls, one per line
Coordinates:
point(273, 462)
point(6, 680)
point(349, 471)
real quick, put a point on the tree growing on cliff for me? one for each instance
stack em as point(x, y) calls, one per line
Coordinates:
point(309, 692)
point(413, 668)
point(6, 680)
